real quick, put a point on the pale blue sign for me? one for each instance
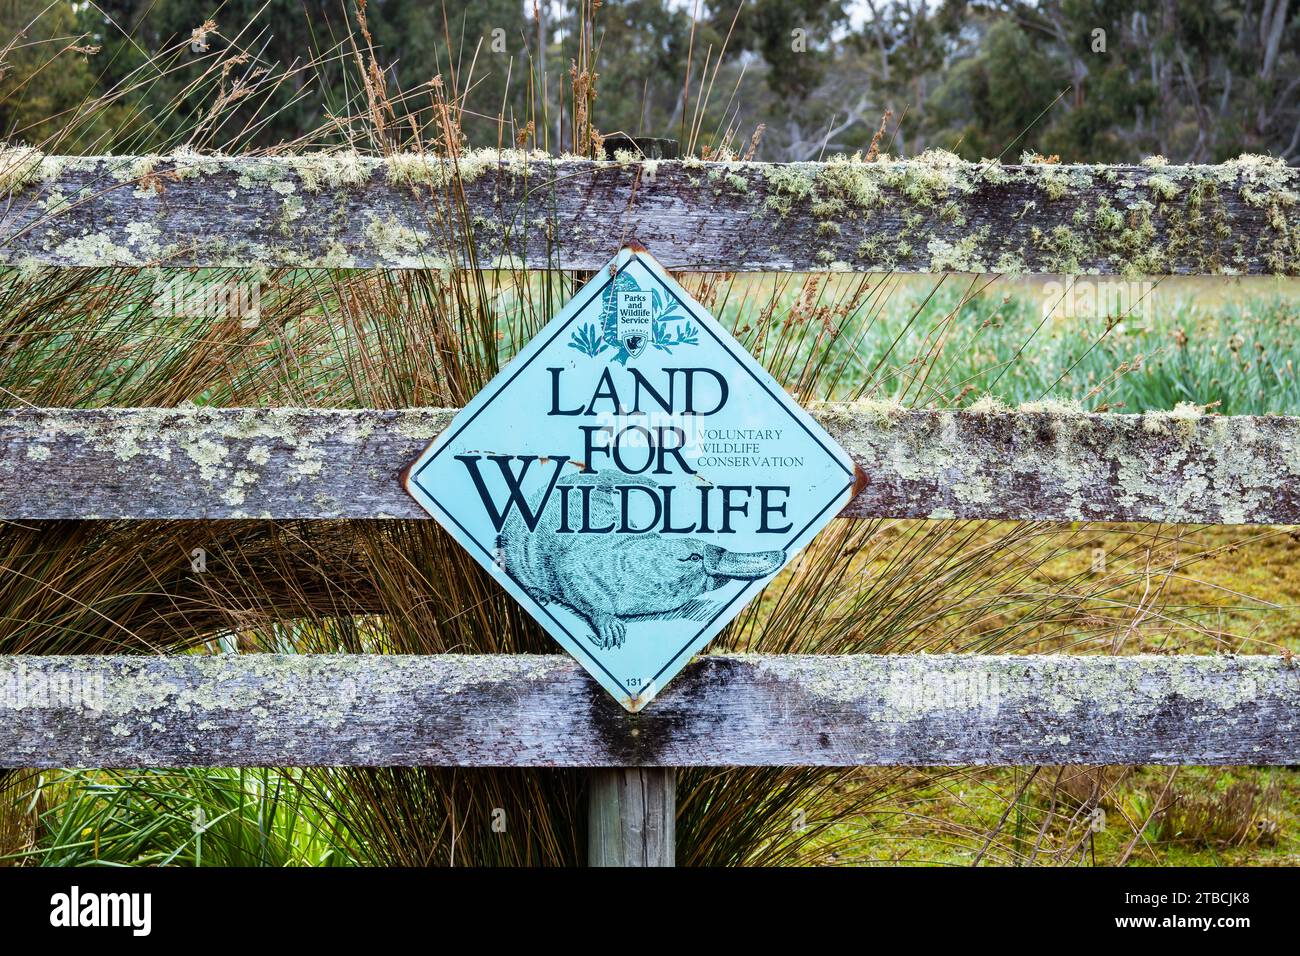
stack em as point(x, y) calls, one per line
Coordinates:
point(633, 477)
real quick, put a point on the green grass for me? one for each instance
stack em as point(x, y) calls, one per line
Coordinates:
point(1149, 816)
point(200, 817)
point(1239, 360)
point(1236, 355)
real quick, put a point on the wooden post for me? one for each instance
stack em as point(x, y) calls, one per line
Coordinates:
point(632, 817)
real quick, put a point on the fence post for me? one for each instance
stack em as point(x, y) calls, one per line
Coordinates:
point(632, 817)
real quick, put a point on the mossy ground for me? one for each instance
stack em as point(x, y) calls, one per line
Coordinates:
point(948, 818)
point(1241, 594)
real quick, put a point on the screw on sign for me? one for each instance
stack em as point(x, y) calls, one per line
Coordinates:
point(633, 477)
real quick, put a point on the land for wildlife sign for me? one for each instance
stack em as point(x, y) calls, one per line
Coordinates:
point(633, 477)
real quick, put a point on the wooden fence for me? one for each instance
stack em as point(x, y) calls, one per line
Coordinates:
point(934, 214)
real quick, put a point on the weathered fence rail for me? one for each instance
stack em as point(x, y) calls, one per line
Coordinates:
point(1051, 464)
point(932, 214)
point(748, 710)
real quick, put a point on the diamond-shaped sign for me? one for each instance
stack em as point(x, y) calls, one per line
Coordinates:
point(633, 477)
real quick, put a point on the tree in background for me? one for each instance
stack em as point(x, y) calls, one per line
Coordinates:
point(1095, 80)
point(994, 96)
point(815, 88)
point(1089, 80)
point(46, 72)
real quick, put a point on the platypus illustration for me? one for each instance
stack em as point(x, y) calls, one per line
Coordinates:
point(608, 579)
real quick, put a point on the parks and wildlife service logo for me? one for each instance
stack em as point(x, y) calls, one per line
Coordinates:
point(632, 320)
point(633, 477)
point(633, 325)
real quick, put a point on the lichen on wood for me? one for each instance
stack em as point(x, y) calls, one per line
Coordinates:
point(1045, 461)
point(723, 710)
point(205, 462)
point(1049, 460)
point(930, 214)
